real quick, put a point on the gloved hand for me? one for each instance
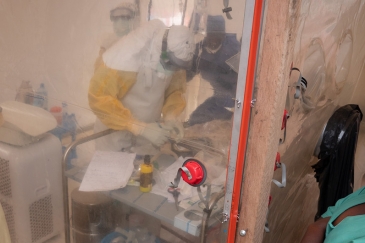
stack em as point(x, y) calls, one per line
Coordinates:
point(176, 129)
point(156, 133)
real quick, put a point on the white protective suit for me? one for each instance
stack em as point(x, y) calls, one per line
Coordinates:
point(132, 89)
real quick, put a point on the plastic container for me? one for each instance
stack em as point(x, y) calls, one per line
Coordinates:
point(25, 93)
point(146, 171)
point(137, 224)
point(69, 124)
point(56, 111)
point(92, 216)
point(41, 97)
point(31, 120)
point(64, 109)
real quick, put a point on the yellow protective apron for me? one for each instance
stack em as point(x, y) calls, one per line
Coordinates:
point(145, 100)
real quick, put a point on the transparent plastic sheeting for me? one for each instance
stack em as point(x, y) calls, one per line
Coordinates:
point(329, 51)
point(72, 68)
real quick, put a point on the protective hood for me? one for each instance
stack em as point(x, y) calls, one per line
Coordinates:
point(126, 10)
point(143, 46)
point(180, 42)
point(130, 51)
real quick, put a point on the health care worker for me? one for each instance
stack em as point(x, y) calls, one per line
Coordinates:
point(139, 85)
point(123, 16)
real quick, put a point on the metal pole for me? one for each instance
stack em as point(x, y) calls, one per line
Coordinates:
point(184, 12)
point(65, 180)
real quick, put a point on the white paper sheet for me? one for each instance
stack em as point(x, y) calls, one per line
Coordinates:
point(108, 171)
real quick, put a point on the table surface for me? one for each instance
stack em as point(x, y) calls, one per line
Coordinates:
point(152, 204)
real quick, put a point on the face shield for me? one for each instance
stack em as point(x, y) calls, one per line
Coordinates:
point(122, 18)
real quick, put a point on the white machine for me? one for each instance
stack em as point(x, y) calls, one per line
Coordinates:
point(30, 175)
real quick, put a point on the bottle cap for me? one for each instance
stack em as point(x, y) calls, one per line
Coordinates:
point(197, 170)
point(55, 109)
point(147, 159)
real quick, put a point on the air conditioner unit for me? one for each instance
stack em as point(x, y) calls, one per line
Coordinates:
point(31, 189)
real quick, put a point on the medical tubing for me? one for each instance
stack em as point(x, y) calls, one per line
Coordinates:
point(207, 195)
point(205, 218)
point(197, 145)
point(207, 212)
point(64, 178)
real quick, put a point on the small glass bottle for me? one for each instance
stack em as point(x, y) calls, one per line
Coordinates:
point(146, 171)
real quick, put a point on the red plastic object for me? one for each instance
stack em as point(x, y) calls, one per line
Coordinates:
point(277, 161)
point(197, 171)
point(56, 111)
point(285, 118)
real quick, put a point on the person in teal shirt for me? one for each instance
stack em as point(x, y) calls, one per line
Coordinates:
point(342, 223)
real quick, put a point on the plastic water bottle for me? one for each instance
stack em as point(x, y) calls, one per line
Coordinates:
point(72, 126)
point(69, 125)
point(25, 93)
point(64, 110)
point(41, 97)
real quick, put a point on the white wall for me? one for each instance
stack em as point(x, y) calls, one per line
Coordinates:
point(55, 42)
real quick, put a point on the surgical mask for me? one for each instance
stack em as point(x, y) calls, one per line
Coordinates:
point(121, 26)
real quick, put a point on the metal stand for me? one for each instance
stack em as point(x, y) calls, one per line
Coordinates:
point(65, 179)
point(209, 206)
point(208, 202)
